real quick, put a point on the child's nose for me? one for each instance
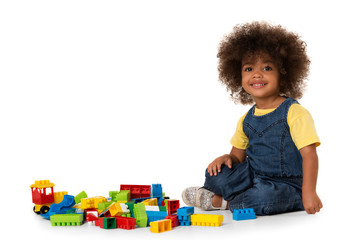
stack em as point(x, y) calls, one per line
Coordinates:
point(257, 74)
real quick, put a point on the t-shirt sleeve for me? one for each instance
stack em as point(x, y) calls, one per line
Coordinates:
point(239, 139)
point(302, 127)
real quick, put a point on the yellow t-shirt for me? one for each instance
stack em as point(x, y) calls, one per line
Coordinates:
point(301, 124)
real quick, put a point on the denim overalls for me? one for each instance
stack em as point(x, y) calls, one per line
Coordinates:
point(270, 180)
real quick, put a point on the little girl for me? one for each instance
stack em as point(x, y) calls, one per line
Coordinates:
point(273, 165)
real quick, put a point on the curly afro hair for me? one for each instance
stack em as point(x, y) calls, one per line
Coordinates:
point(285, 48)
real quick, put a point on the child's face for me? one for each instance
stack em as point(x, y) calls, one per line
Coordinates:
point(260, 77)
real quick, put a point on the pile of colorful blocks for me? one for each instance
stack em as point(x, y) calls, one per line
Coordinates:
point(132, 206)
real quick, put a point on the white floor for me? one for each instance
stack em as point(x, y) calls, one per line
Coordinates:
point(297, 225)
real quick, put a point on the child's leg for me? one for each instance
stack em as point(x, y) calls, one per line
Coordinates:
point(269, 197)
point(230, 181)
point(220, 189)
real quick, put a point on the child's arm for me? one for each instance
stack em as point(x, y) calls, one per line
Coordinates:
point(236, 156)
point(311, 200)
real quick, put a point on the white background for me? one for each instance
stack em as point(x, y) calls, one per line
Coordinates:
point(94, 94)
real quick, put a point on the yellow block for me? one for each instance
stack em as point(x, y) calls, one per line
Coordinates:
point(38, 207)
point(151, 202)
point(160, 226)
point(42, 184)
point(117, 209)
point(59, 196)
point(206, 220)
point(87, 203)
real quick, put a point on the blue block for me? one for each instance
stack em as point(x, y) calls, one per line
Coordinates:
point(155, 216)
point(157, 190)
point(185, 211)
point(185, 223)
point(243, 214)
point(60, 208)
point(184, 214)
point(139, 200)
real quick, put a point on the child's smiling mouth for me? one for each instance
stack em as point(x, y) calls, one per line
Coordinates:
point(258, 85)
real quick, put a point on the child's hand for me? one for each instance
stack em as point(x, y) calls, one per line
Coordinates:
point(311, 202)
point(215, 167)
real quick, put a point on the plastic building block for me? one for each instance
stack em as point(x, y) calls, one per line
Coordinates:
point(112, 195)
point(67, 219)
point(80, 196)
point(156, 191)
point(174, 220)
point(172, 206)
point(93, 202)
point(109, 223)
point(91, 211)
point(160, 226)
point(125, 223)
point(152, 208)
point(151, 202)
point(42, 184)
point(206, 220)
point(155, 216)
point(39, 193)
point(104, 205)
point(90, 217)
point(123, 196)
point(117, 209)
point(243, 214)
point(139, 200)
point(140, 214)
point(106, 223)
point(137, 191)
point(130, 207)
point(185, 211)
point(59, 196)
point(184, 214)
point(60, 208)
point(106, 212)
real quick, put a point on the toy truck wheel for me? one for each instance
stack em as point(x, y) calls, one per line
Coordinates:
point(35, 211)
point(44, 209)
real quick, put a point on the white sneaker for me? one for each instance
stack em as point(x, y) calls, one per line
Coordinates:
point(189, 196)
point(203, 200)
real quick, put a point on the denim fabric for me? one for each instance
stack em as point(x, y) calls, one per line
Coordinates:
point(271, 150)
point(270, 179)
point(230, 181)
point(268, 196)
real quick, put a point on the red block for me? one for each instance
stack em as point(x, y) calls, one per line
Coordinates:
point(91, 217)
point(42, 195)
point(99, 223)
point(174, 220)
point(173, 206)
point(125, 222)
point(137, 191)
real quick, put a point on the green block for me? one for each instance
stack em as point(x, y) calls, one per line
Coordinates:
point(66, 219)
point(104, 205)
point(166, 205)
point(126, 215)
point(123, 195)
point(113, 194)
point(109, 223)
point(162, 208)
point(140, 214)
point(80, 196)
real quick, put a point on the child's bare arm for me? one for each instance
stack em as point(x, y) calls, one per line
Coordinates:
point(236, 156)
point(311, 200)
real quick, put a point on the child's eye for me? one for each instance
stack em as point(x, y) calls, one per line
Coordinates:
point(267, 68)
point(247, 69)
